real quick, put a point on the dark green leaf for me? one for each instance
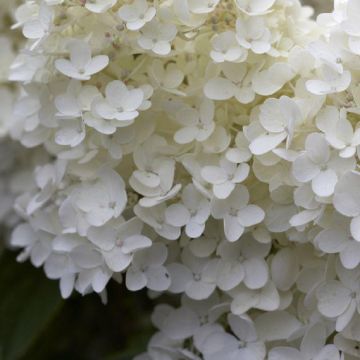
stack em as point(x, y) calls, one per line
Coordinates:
point(28, 302)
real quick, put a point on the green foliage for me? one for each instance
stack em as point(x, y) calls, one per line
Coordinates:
point(28, 302)
point(35, 324)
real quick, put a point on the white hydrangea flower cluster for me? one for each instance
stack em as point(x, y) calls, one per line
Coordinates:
point(206, 148)
point(15, 161)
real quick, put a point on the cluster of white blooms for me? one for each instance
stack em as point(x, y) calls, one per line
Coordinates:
point(206, 148)
point(15, 161)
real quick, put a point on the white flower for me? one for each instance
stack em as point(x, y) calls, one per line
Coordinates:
point(196, 211)
point(94, 203)
point(328, 54)
point(120, 103)
point(240, 153)
point(319, 166)
point(81, 65)
point(237, 83)
point(24, 13)
point(194, 276)
point(236, 213)
point(284, 269)
point(155, 171)
point(168, 77)
point(278, 325)
point(126, 139)
point(266, 299)
point(242, 262)
point(118, 244)
point(176, 324)
point(157, 37)
point(225, 48)
point(144, 172)
point(337, 239)
point(147, 270)
point(346, 201)
point(198, 124)
point(254, 7)
point(339, 131)
point(203, 6)
point(35, 245)
point(271, 80)
point(70, 133)
point(156, 218)
point(137, 14)
point(48, 178)
point(328, 352)
point(40, 27)
point(330, 82)
point(206, 244)
point(279, 118)
point(253, 35)
point(339, 299)
point(243, 344)
point(225, 177)
point(75, 100)
point(99, 6)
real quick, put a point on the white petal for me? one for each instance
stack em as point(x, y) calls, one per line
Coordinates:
point(213, 174)
point(233, 229)
point(350, 255)
point(230, 274)
point(181, 324)
point(67, 285)
point(271, 80)
point(194, 230)
point(100, 278)
point(285, 353)
point(180, 276)
point(324, 183)
point(331, 241)
point(251, 215)
point(314, 340)
point(158, 278)
point(103, 237)
point(219, 89)
point(185, 135)
point(199, 290)
point(355, 228)
point(284, 269)
point(116, 260)
point(256, 273)
point(268, 299)
point(276, 325)
point(177, 215)
point(23, 235)
point(343, 320)
point(80, 53)
point(135, 242)
point(86, 257)
point(135, 280)
point(97, 64)
point(223, 191)
point(203, 246)
point(347, 195)
point(245, 300)
point(265, 143)
point(33, 29)
point(68, 69)
point(304, 169)
point(333, 298)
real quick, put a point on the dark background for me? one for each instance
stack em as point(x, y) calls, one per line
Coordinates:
point(36, 324)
